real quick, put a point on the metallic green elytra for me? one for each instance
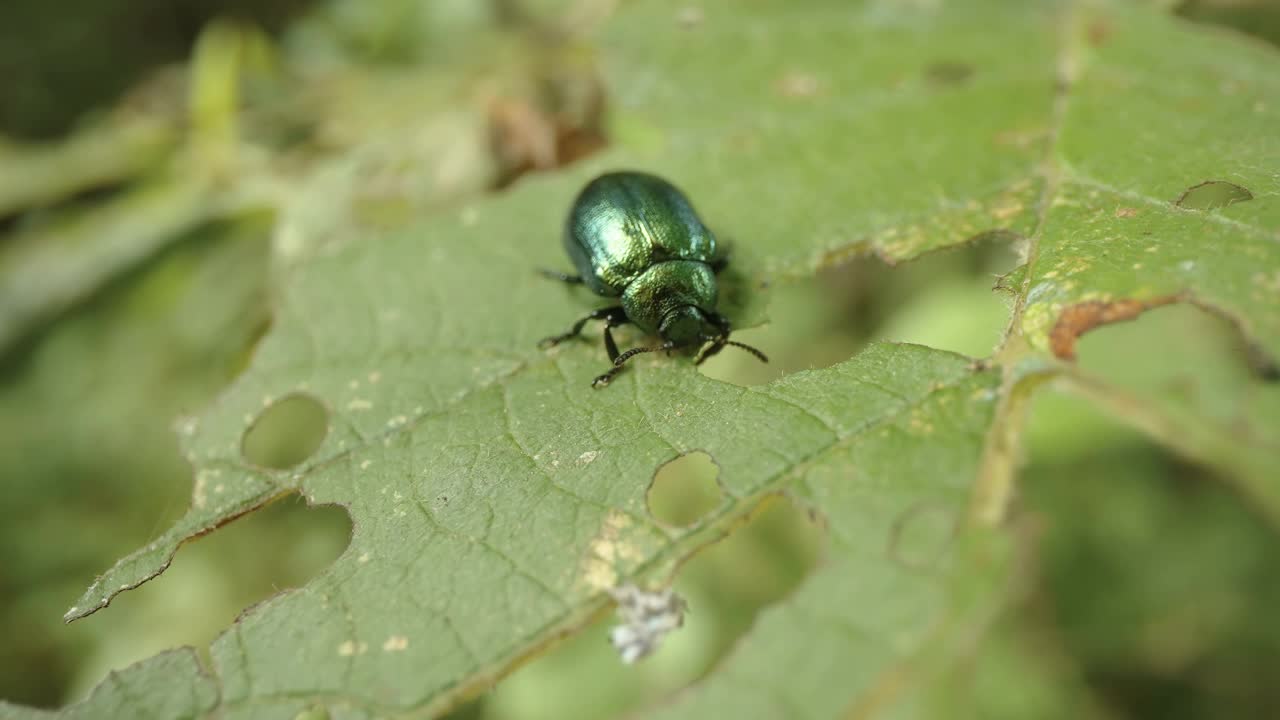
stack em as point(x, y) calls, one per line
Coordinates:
point(634, 236)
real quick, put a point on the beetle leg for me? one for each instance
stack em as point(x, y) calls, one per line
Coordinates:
point(611, 322)
point(562, 277)
point(715, 347)
point(613, 317)
point(619, 362)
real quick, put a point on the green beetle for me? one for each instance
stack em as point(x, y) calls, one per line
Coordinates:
point(635, 236)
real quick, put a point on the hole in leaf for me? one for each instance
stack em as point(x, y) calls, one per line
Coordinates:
point(1182, 359)
point(1212, 195)
point(212, 580)
point(920, 536)
point(726, 586)
point(1260, 18)
point(943, 299)
point(1186, 337)
point(286, 433)
point(684, 490)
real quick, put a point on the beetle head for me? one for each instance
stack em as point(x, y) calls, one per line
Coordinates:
point(689, 325)
point(686, 325)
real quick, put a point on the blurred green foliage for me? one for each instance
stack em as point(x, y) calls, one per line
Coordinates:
point(1152, 580)
point(91, 463)
point(65, 62)
point(1149, 588)
point(133, 294)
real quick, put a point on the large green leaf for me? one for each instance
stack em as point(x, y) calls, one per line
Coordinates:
point(169, 685)
point(496, 496)
point(1127, 229)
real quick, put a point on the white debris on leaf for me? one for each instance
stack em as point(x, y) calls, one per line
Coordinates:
point(647, 617)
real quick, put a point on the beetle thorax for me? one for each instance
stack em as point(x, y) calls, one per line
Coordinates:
point(672, 291)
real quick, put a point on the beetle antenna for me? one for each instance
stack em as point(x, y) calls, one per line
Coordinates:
point(719, 343)
point(763, 358)
point(621, 360)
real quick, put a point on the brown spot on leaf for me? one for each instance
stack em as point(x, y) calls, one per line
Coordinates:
point(553, 128)
point(1126, 212)
point(526, 139)
point(1080, 318)
point(1007, 210)
point(523, 135)
point(1098, 32)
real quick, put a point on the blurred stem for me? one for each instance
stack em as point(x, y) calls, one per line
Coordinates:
point(994, 487)
point(46, 271)
point(41, 175)
point(993, 491)
point(225, 53)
